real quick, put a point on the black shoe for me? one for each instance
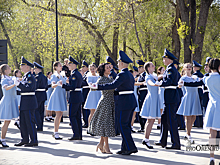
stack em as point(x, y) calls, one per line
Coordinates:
point(212, 162)
point(20, 144)
point(58, 138)
point(85, 126)
point(3, 145)
point(141, 130)
point(39, 130)
point(159, 144)
point(75, 138)
point(173, 148)
point(47, 119)
point(51, 119)
point(129, 152)
point(133, 131)
point(158, 127)
point(148, 146)
point(119, 152)
point(17, 125)
point(185, 138)
point(69, 123)
point(31, 144)
point(181, 128)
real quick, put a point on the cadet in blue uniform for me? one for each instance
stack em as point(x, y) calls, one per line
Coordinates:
point(124, 83)
point(196, 68)
point(74, 86)
point(27, 106)
point(41, 87)
point(205, 97)
point(85, 91)
point(180, 119)
point(113, 75)
point(142, 92)
point(171, 100)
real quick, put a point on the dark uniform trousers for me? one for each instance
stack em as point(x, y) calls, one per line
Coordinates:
point(141, 101)
point(124, 120)
point(117, 129)
point(169, 123)
point(27, 126)
point(85, 91)
point(75, 119)
point(39, 115)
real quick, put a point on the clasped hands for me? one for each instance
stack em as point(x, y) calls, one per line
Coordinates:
point(93, 85)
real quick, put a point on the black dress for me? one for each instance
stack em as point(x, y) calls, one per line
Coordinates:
point(103, 120)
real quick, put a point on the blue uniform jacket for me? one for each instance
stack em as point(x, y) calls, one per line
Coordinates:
point(123, 82)
point(113, 75)
point(41, 83)
point(179, 89)
point(27, 85)
point(75, 81)
point(200, 75)
point(85, 91)
point(142, 93)
point(171, 78)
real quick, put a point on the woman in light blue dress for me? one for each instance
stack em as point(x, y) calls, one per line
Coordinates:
point(93, 96)
point(150, 108)
point(49, 92)
point(190, 106)
point(57, 101)
point(160, 72)
point(8, 103)
point(212, 114)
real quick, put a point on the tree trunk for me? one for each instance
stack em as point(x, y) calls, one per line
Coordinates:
point(175, 36)
point(115, 43)
point(14, 57)
point(124, 38)
point(200, 31)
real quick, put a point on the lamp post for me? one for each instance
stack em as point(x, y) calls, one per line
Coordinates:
point(57, 47)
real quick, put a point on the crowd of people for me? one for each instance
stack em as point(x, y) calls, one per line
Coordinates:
point(109, 101)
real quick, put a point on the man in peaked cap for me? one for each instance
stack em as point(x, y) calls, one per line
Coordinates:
point(41, 87)
point(196, 69)
point(85, 91)
point(27, 106)
point(142, 91)
point(111, 63)
point(180, 118)
point(76, 98)
point(171, 99)
point(124, 83)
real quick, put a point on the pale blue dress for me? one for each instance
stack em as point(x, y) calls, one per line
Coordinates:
point(9, 103)
point(57, 100)
point(18, 89)
point(190, 104)
point(137, 109)
point(49, 91)
point(151, 105)
point(213, 108)
point(161, 97)
point(93, 96)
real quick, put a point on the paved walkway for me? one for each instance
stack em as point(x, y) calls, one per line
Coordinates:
point(54, 152)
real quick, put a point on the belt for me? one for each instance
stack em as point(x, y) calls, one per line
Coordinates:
point(86, 87)
point(40, 90)
point(170, 87)
point(76, 90)
point(141, 89)
point(204, 91)
point(125, 92)
point(28, 93)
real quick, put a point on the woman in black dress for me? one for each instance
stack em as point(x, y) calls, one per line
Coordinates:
point(103, 121)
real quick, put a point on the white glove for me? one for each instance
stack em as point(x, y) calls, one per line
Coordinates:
point(59, 83)
point(158, 83)
point(93, 86)
point(16, 82)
